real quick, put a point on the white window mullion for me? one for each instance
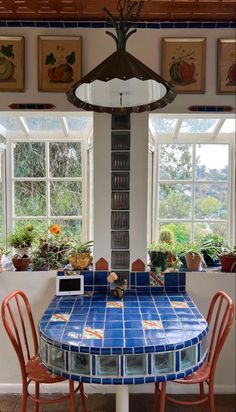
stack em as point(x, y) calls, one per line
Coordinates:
point(193, 189)
point(47, 182)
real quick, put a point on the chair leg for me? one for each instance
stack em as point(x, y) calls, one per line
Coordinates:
point(36, 405)
point(82, 398)
point(202, 395)
point(163, 397)
point(211, 397)
point(71, 396)
point(24, 398)
point(156, 395)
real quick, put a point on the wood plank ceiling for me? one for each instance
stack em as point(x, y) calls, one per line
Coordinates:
point(84, 10)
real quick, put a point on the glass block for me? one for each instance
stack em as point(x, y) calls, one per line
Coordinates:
point(120, 180)
point(108, 365)
point(120, 121)
point(163, 362)
point(120, 260)
point(79, 363)
point(120, 140)
point(120, 160)
point(135, 365)
point(120, 220)
point(43, 350)
point(188, 357)
point(120, 200)
point(203, 347)
point(120, 240)
point(56, 357)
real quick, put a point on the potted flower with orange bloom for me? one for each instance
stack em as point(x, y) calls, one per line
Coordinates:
point(53, 250)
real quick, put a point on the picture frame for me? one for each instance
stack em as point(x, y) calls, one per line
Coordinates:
point(12, 62)
point(184, 63)
point(226, 66)
point(59, 62)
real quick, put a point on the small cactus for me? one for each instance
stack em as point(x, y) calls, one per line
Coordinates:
point(166, 236)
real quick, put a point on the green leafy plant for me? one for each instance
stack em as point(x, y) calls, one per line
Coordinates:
point(22, 237)
point(228, 250)
point(213, 244)
point(192, 248)
point(82, 247)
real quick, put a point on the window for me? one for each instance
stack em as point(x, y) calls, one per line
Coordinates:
point(193, 182)
point(47, 172)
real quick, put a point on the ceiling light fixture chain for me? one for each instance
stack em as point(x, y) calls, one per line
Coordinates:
point(125, 24)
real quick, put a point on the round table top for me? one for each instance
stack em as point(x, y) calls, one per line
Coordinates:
point(140, 322)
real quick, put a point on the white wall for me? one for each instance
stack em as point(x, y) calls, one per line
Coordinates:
point(96, 46)
point(40, 287)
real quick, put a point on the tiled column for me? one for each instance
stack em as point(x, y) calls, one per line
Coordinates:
point(120, 189)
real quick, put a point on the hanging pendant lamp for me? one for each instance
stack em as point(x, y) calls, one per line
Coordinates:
point(121, 83)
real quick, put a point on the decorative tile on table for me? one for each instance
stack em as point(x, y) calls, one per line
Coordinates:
point(152, 324)
point(179, 304)
point(115, 304)
point(60, 317)
point(156, 280)
point(90, 333)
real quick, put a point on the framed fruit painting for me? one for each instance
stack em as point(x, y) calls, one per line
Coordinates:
point(226, 65)
point(59, 61)
point(184, 63)
point(12, 61)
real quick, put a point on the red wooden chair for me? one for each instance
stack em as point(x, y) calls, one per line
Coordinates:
point(220, 315)
point(18, 322)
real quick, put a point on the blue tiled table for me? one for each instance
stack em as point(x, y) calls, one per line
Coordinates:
point(144, 338)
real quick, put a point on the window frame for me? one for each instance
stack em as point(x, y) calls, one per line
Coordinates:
point(10, 179)
point(193, 139)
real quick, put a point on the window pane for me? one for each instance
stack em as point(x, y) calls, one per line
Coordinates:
point(202, 229)
point(175, 201)
point(181, 231)
point(65, 159)
point(163, 125)
point(78, 123)
point(211, 201)
point(10, 123)
point(39, 226)
point(30, 198)
point(66, 198)
point(29, 159)
point(212, 161)
point(175, 161)
point(198, 125)
point(70, 227)
point(229, 126)
point(43, 123)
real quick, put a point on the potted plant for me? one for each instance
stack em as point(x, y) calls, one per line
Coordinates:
point(193, 256)
point(212, 246)
point(158, 254)
point(21, 241)
point(228, 259)
point(52, 251)
point(81, 256)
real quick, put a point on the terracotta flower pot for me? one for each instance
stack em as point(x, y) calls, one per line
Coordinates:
point(21, 263)
point(193, 262)
point(228, 263)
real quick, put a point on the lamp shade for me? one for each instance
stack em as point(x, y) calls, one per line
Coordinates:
point(121, 83)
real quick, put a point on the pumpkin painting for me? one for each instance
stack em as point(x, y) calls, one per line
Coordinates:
point(60, 71)
point(232, 74)
point(182, 72)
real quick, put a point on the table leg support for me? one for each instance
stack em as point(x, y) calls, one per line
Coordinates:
point(122, 398)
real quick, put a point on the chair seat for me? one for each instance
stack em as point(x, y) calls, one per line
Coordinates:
point(201, 375)
point(37, 372)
